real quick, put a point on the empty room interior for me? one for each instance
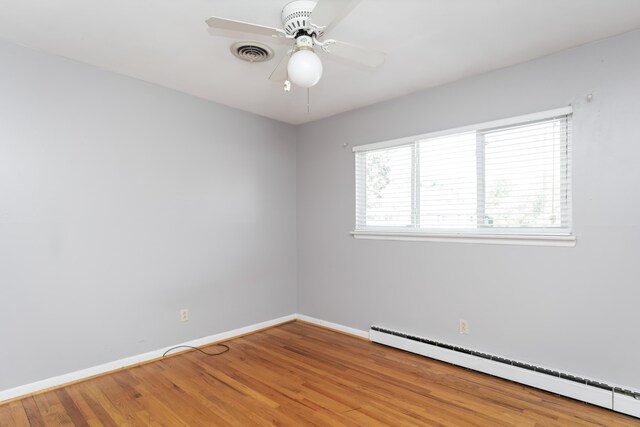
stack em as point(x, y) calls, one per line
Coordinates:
point(319, 212)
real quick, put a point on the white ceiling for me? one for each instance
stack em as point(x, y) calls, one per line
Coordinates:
point(428, 43)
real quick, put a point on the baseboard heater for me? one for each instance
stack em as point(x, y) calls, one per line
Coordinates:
point(595, 392)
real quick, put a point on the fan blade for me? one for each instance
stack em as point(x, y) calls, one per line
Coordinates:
point(230, 24)
point(358, 54)
point(280, 73)
point(327, 12)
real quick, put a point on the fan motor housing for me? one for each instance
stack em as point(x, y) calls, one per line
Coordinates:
point(295, 18)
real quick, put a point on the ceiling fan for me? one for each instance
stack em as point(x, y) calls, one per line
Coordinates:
point(306, 23)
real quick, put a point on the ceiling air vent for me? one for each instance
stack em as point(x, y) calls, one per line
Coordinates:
point(252, 51)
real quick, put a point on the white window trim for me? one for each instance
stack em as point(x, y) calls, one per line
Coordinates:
point(492, 239)
point(564, 238)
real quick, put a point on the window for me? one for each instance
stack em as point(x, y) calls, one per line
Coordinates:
point(504, 181)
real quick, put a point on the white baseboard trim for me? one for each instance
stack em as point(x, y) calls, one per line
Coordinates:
point(626, 404)
point(60, 380)
point(617, 402)
point(586, 393)
point(336, 327)
point(535, 379)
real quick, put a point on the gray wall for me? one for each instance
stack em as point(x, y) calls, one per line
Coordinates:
point(121, 203)
point(574, 309)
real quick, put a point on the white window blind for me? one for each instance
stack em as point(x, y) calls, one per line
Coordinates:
point(501, 178)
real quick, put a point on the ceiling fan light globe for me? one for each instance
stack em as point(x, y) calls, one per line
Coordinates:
point(304, 68)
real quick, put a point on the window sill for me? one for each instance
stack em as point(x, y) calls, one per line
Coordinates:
point(490, 239)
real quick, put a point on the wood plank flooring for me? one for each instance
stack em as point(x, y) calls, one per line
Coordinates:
point(297, 375)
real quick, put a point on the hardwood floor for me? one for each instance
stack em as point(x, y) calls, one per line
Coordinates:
point(295, 375)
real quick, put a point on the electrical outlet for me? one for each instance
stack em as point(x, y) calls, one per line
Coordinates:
point(184, 315)
point(464, 327)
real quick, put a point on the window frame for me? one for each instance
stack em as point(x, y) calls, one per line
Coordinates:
point(561, 236)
